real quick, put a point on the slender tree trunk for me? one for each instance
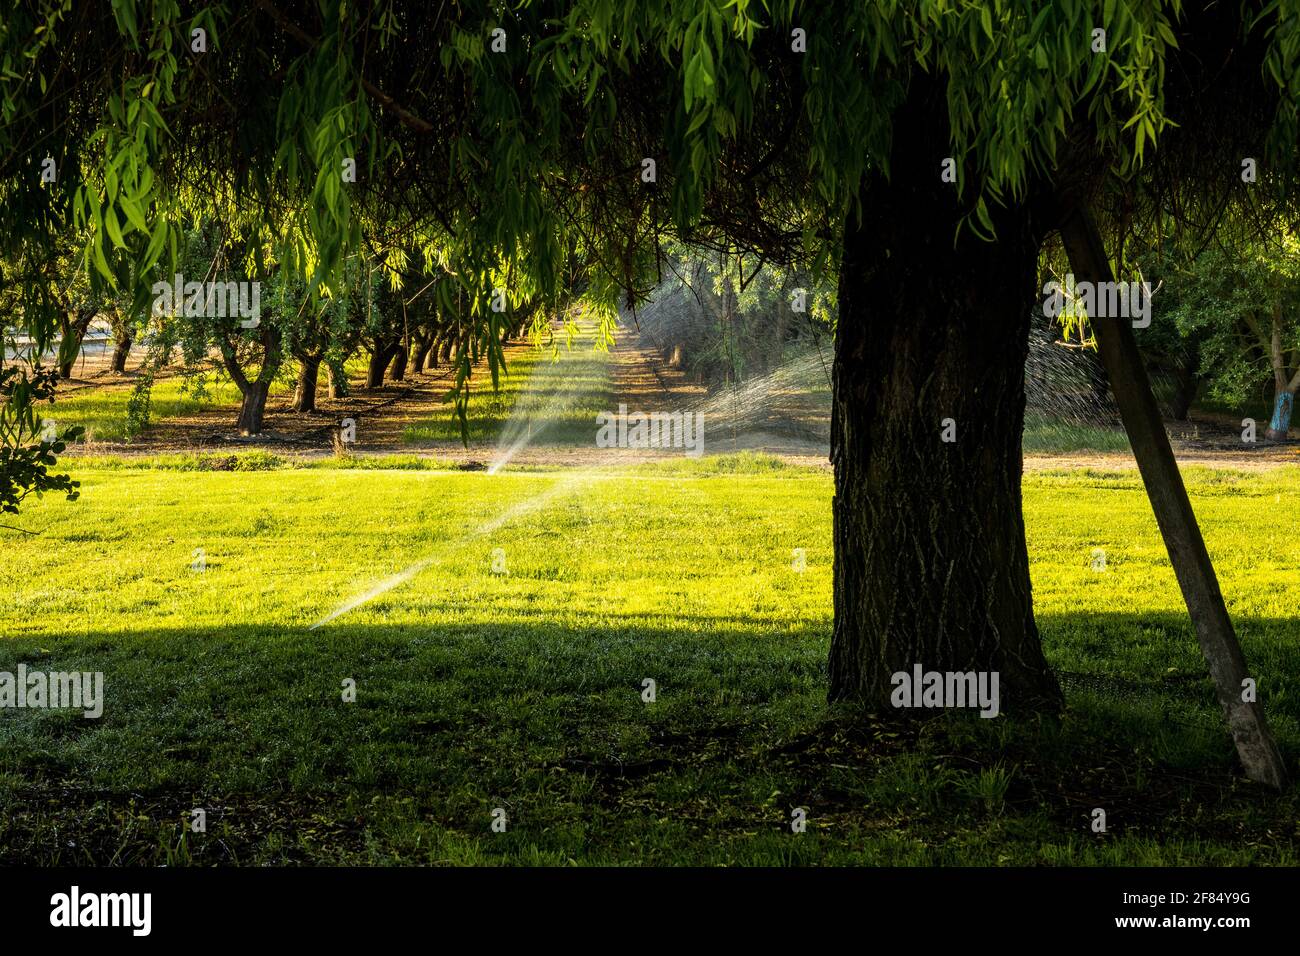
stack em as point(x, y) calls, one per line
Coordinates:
point(68, 333)
point(1284, 388)
point(1117, 345)
point(304, 396)
point(121, 350)
point(445, 353)
point(931, 566)
point(253, 408)
point(1186, 386)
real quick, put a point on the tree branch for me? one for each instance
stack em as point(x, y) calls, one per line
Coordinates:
point(302, 36)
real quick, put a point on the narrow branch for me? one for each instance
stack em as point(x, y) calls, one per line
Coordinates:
point(302, 36)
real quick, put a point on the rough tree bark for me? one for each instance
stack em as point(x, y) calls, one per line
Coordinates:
point(338, 384)
point(380, 356)
point(121, 349)
point(398, 371)
point(304, 396)
point(931, 566)
point(253, 408)
point(1182, 535)
point(254, 391)
point(421, 354)
point(1279, 426)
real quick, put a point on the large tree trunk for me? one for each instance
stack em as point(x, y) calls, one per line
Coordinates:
point(253, 407)
point(304, 396)
point(445, 351)
point(931, 566)
point(256, 390)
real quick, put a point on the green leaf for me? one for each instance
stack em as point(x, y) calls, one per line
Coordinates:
point(133, 214)
point(101, 263)
point(111, 225)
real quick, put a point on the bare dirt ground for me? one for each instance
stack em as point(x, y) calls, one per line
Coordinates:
point(641, 380)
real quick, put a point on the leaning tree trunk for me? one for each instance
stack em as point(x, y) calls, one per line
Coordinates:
point(69, 353)
point(931, 566)
point(253, 407)
point(1259, 753)
point(70, 334)
point(304, 396)
point(73, 335)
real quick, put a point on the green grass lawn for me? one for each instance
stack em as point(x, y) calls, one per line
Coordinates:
point(522, 690)
point(550, 396)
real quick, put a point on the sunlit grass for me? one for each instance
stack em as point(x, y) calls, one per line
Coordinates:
point(553, 398)
point(522, 689)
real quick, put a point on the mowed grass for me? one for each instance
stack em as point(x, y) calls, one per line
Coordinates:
point(521, 688)
point(543, 394)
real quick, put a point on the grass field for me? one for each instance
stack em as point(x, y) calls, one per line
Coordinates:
point(542, 393)
point(521, 690)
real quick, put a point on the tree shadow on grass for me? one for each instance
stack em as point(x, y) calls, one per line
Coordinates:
point(555, 725)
